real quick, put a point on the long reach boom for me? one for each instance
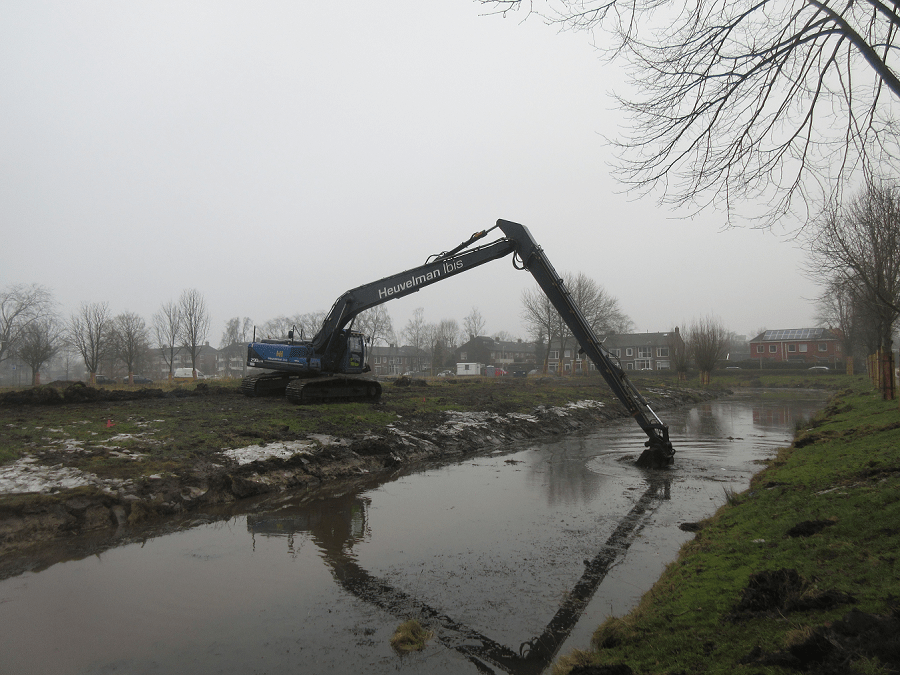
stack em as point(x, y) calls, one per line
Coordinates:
point(337, 350)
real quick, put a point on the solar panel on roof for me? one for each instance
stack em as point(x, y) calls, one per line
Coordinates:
point(793, 334)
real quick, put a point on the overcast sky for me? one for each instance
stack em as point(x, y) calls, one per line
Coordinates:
point(275, 154)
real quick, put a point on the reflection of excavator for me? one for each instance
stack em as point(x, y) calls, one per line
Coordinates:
point(328, 366)
point(335, 526)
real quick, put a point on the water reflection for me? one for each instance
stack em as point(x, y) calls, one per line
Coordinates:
point(564, 478)
point(344, 523)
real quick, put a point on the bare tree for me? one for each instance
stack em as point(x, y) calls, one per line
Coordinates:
point(474, 324)
point(679, 353)
point(539, 316)
point(600, 309)
point(90, 331)
point(236, 330)
point(445, 339)
point(304, 325)
point(166, 329)
point(740, 99)
point(237, 333)
point(416, 335)
point(20, 306)
point(708, 343)
point(860, 246)
point(376, 324)
point(194, 324)
point(38, 343)
point(842, 306)
point(131, 339)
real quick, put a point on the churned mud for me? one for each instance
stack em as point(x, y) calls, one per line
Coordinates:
point(95, 460)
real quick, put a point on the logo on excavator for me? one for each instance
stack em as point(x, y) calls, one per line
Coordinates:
point(419, 279)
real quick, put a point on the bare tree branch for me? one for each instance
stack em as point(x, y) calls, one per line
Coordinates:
point(780, 101)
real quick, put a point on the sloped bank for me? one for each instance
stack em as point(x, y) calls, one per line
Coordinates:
point(113, 508)
point(799, 573)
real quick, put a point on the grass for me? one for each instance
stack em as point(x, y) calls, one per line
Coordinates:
point(410, 636)
point(845, 469)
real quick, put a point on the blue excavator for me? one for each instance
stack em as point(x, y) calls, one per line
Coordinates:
point(332, 364)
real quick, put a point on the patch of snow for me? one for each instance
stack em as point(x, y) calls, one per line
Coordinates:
point(279, 450)
point(325, 439)
point(26, 475)
point(587, 403)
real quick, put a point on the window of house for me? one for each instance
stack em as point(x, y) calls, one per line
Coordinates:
point(642, 364)
point(823, 346)
point(773, 349)
point(760, 349)
point(616, 352)
point(568, 354)
point(629, 351)
point(662, 365)
point(629, 366)
point(462, 356)
point(552, 367)
point(662, 352)
point(803, 348)
point(554, 355)
point(792, 348)
point(645, 352)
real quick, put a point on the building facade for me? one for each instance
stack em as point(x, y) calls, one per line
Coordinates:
point(394, 360)
point(820, 346)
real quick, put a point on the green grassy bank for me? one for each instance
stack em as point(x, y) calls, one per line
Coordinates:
point(797, 574)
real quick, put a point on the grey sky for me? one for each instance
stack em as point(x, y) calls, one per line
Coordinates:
point(273, 155)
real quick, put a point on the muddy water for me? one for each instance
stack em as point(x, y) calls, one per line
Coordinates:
point(509, 558)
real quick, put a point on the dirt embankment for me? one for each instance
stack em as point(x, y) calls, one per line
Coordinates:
point(72, 502)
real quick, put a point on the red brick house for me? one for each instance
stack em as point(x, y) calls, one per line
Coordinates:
point(820, 346)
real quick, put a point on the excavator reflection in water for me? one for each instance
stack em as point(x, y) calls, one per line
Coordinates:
point(336, 529)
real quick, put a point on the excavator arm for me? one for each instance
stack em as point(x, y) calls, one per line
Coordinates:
point(527, 255)
point(530, 256)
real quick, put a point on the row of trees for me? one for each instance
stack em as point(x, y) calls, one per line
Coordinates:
point(32, 330)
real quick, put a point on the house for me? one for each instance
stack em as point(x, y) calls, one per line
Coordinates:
point(509, 355)
point(394, 360)
point(800, 345)
point(634, 351)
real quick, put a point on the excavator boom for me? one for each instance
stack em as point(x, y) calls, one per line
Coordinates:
point(336, 350)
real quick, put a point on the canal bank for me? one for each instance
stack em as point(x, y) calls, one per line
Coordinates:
point(112, 463)
point(799, 573)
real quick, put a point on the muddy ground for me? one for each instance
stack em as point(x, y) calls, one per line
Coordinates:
point(80, 460)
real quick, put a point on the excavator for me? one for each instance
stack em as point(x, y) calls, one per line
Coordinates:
point(330, 365)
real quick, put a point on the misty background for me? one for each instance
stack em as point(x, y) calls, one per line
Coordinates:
point(273, 155)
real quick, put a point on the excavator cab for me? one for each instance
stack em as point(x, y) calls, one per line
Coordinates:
point(355, 356)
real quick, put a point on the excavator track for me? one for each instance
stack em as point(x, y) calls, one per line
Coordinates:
point(325, 389)
point(267, 384)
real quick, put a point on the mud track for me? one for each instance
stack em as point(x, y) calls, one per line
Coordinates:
point(246, 460)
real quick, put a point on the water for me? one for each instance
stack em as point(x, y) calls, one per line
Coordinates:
point(511, 558)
